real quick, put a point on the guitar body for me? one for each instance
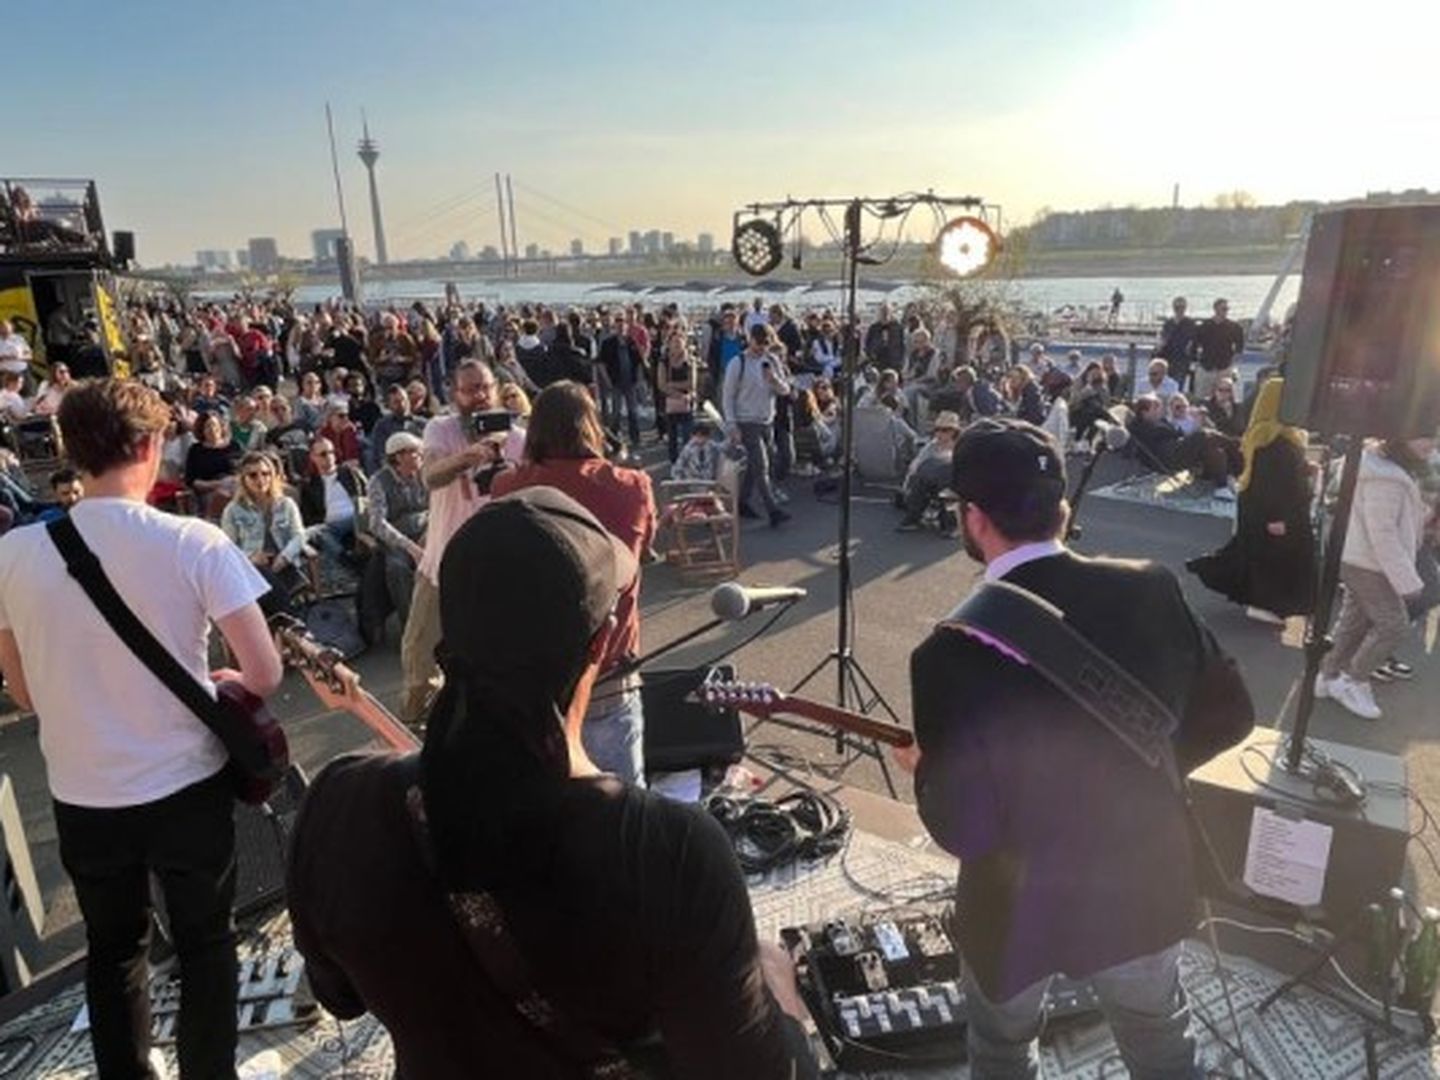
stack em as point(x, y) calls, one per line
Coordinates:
point(259, 751)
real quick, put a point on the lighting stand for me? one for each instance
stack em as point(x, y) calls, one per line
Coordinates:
point(853, 686)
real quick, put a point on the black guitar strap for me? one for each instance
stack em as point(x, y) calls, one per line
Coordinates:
point(1033, 631)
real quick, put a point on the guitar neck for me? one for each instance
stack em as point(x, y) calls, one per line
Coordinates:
point(383, 724)
point(853, 722)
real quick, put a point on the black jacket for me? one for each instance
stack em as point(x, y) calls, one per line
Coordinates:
point(312, 493)
point(1076, 854)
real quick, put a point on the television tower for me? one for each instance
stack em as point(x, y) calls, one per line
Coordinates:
point(369, 154)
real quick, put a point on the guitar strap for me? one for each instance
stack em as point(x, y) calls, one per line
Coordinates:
point(1031, 630)
point(481, 923)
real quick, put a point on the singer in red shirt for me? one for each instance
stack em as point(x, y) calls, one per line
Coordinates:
point(565, 449)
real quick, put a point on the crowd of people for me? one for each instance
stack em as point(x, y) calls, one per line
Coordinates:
point(450, 458)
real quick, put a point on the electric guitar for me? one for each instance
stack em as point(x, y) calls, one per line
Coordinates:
point(764, 701)
point(339, 685)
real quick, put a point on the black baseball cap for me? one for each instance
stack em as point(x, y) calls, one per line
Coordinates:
point(526, 583)
point(1003, 464)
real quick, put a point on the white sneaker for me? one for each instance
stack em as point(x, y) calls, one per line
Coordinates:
point(1356, 697)
point(1325, 685)
point(158, 1069)
point(1261, 615)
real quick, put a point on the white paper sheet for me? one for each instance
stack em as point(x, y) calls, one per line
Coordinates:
point(1286, 859)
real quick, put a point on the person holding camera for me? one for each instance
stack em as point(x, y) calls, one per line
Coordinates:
point(752, 383)
point(461, 459)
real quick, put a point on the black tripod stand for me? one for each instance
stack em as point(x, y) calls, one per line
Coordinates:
point(757, 249)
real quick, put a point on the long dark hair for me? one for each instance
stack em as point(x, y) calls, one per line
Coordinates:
point(564, 424)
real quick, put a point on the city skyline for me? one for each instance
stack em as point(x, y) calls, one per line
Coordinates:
point(1108, 107)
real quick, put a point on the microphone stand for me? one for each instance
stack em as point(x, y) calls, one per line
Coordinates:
point(635, 663)
point(1098, 448)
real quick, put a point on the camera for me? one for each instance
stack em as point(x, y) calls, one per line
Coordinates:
point(491, 422)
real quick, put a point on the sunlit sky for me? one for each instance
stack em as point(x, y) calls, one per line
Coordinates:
point(204, 121)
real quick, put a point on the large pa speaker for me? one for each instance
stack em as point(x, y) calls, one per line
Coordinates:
point(124, 245)
point(1365, 351)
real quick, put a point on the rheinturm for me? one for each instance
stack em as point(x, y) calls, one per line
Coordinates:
point(370, 154)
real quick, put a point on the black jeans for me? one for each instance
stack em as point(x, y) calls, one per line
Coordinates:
point(188, 841)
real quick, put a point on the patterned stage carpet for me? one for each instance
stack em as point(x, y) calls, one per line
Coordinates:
point(1169, 492)
point(1303, 1036)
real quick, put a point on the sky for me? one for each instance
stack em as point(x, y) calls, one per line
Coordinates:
point(203, 122)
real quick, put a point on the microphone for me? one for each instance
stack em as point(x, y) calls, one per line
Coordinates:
point(734, 601)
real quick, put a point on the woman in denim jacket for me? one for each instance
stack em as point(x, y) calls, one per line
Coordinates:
point(265, 524)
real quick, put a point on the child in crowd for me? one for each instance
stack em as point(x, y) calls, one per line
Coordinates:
point(700, 457)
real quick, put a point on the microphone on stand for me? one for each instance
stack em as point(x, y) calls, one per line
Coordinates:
point(733, 601)
point(1109, 436)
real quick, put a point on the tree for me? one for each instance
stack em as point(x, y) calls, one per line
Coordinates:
point(1239, 199)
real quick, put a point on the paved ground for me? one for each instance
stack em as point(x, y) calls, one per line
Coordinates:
point(903, 583)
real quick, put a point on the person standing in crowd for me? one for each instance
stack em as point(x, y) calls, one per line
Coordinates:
point(726, 343)
point(602, 887)
point(565, 449)
point(1177, 341)
point(752, 383)
point(1018, 780)
point(1269, 564)
point(1377, 567)
point(140, 784)
point(624, 365)
point(1219, 342)
point(567, 360)
point(398, 510)
point(460, 464)
point(679, 384)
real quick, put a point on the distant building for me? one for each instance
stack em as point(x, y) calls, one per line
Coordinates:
point(532, 251)
point(667, 242)
point(213, 259)
point(489, 251)
point(615, 245)
point(652, 242)
point(577, 247)
point(637, 242)
point(322, 243)
point(459, 251)
point(705, 243)
point(242, 259)
point(264, 254)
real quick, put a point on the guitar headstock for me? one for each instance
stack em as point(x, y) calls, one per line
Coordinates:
point(753, 697)
point(298, 649)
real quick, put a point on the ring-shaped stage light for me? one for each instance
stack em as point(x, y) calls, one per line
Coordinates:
point(757, 247)
point(966, 246)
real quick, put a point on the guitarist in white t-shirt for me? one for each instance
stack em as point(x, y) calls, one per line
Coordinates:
point(139, 782)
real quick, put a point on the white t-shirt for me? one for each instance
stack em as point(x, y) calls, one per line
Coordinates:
point(339, 506)
point(111, 732)
point(14, 353)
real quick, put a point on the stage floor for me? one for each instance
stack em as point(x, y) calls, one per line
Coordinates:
point(1304, 1036)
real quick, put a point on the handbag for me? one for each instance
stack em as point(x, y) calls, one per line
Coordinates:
point(255, 741)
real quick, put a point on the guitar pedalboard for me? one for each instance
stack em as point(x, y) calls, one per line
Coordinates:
point(887, 992)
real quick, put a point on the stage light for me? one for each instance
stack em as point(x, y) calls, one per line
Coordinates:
point(966, 246)
point(757, 247)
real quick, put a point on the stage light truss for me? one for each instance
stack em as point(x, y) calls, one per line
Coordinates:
point(964, 245)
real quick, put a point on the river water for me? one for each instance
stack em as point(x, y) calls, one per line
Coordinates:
point(1147, 299)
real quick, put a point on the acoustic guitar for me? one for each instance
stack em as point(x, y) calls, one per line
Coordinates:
point(764, 701)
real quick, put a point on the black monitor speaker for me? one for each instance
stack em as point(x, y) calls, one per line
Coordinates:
point(1365, 350)
point(124, 245)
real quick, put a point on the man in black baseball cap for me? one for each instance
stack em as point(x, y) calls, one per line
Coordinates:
point(595, 885)
point(1076, 851)
point(1013, 474)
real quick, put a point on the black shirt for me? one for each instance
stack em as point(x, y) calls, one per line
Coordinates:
point(1177, 345)
point(209, 462)
point(637, 921)
point(1218, 342)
